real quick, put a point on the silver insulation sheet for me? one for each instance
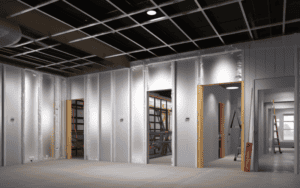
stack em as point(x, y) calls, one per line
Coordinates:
point(159, 76)
point(47, 116)
point(186, 120)
point(1, 125)
point(138, 129)
point(30, 105)
point(12, 115)
point(63, 112)
point(121, 115)
point(105, 117)
point(76, 87)
point(93, 118)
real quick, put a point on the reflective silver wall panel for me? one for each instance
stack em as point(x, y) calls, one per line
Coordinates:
point(31, 116)
point(57, 116)
point(93, 115)
point(186, 102)
point(221, 68)
point(12, 115)
point(106, 116)
point(159, 76)
point(47, 114)
point(1, 125)
point(138, 139)
point(76, 87)
point(121, 115)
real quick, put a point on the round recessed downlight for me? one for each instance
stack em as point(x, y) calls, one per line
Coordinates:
point(151, 12)
point(232, 87)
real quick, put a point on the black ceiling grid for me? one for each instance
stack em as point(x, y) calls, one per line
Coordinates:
point(163, 51)
point(33, 46)
point(142, 36)
point(144, 17)
point(119, 41)
point(58, 54)
point(35, 2)
point(143, 55)
point(268, 32)
point(49, 41)
point(180, 7)
point(129, 6)
point(82, 61)
point(236, 38)
point(99, 9)
point(228, 18)
point(195, 25)
point(292, 28)
point(206, 3)
point(263, 12)
point(185, 47)
point(120, 23)
point(97, 29)
point(72, 50)
point(97, 60)
point(167, 31)
point(209, 43)
point(292, 9)
point(67, 14)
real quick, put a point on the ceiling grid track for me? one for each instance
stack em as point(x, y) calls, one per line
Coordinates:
point(245, 18)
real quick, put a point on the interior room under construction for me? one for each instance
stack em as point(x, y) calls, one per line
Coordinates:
point(149, 93)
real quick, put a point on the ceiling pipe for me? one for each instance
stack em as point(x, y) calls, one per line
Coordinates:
point(10, 33)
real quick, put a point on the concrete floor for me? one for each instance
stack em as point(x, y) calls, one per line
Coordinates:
point(166, 160)
point(225, 163)
point(83, 174)
point(279, 163)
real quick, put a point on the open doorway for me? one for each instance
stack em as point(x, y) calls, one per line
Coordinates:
point(159, 127)
point(221, 126)
point(75, 129)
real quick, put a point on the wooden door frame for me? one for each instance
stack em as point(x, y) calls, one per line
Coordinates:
point(200, 102)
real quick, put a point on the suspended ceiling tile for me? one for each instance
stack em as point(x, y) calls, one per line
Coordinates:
point(23, 40)
point(35, 2)
point(67, 37)
point(69, 64)
point(68, 14)
point(99, 9)
point(292, 28)
point(49, 41)
point(72, 50)
point(9, 7)
point(185, 47)
point(119, 42)
point(158, 2)
point(163, 51)
point(30, 59)
point(119, 23)
point(180, 7)
point(167, 31)
point(96, 59)
point(32, 46)
point(143, 16)
point(143, 55)
point(227, 18)
point(6, 53)
point(97, 29)
point(80, 61)
point(292, 9)
point(205, 3)
point(267, 32)
point(142, 36)
point(58, 54)
point(43, 56)
point(132, 5)
point(195, 25)
point(236, 38)
point(209, 43)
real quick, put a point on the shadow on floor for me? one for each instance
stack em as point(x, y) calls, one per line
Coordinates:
point(227, 163)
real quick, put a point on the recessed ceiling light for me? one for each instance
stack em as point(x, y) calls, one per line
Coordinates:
point(151, 12)
point(232, 87)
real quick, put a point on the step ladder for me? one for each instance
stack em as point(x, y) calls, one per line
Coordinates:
point(276, 130)
point(238, 149)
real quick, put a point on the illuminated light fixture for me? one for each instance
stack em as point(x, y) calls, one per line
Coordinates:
point(232, 87)
point(151, 12)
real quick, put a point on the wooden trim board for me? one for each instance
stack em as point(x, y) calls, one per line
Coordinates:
point(69, 129)
point(200, 154)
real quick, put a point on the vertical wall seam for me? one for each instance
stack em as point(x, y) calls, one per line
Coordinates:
point(22, 117)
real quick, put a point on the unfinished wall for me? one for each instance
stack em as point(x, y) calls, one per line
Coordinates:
point(213, 95)
point(186, 120)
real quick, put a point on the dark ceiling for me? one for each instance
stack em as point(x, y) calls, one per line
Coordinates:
point(69, 37)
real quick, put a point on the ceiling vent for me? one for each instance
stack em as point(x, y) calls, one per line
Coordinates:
point(10, 33)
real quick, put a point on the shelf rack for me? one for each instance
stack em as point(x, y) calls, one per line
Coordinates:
point(77, 135)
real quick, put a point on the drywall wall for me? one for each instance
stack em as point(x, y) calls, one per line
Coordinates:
point(186, 119)
point(213, 95)
point(138, 127)
point(279, 94)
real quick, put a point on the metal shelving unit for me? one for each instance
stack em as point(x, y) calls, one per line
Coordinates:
point(77, 135)
point(159, 136)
